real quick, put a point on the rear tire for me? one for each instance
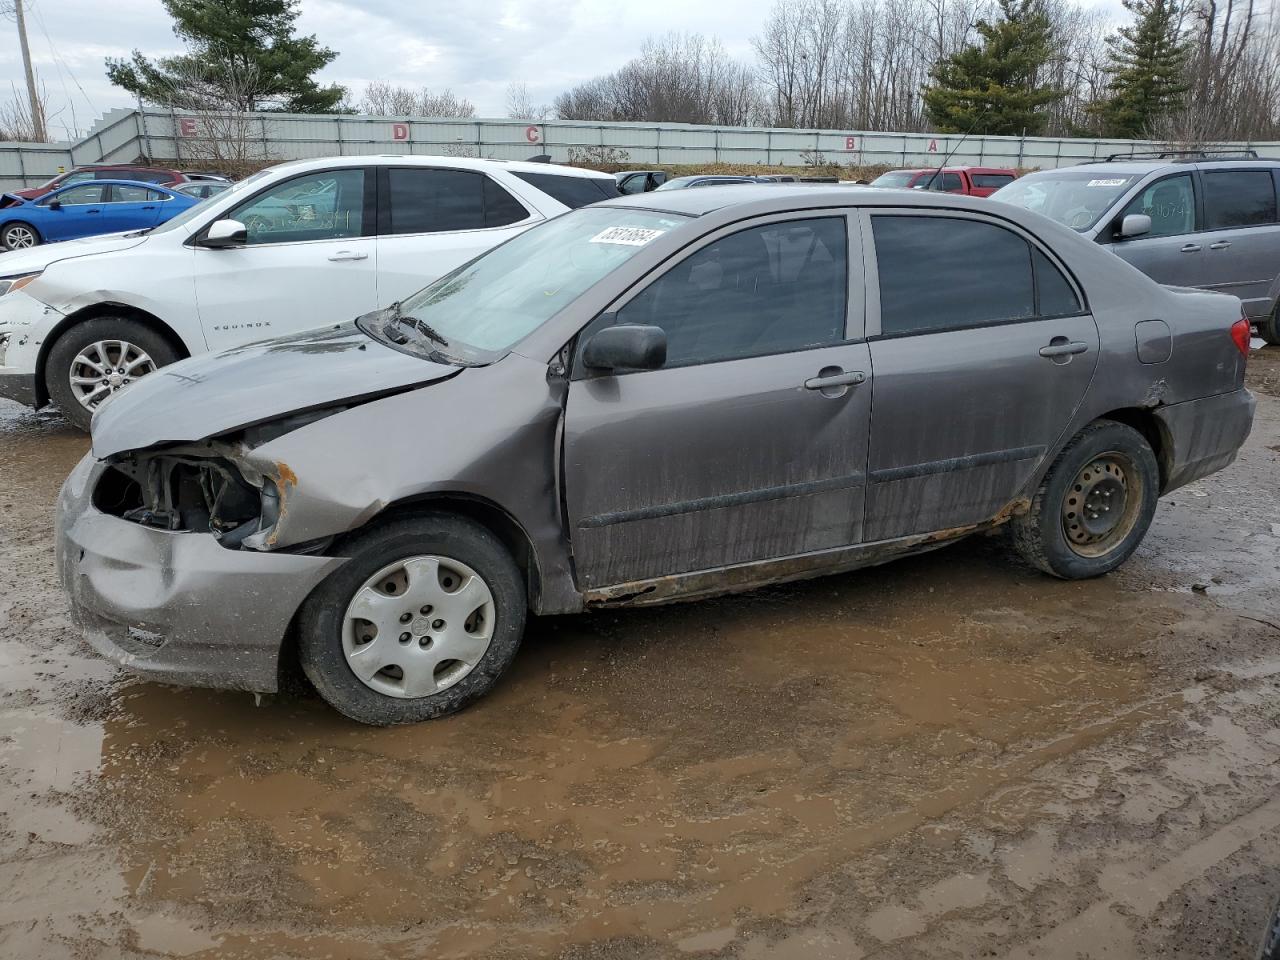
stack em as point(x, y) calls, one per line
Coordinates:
point(439, 604)
point(1269, 327)
point(84, 366)
point(1094, 505)
point(19, 236)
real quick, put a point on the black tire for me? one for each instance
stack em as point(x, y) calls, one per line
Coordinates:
point(1269, 327)
point(8, 235)
point(81, 337)
point(1041, 536)
point(320, 623)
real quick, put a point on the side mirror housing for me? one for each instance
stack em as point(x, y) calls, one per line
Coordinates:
point(628, 346)
point(225, 233)
point(1135, 225)
point(55, 204)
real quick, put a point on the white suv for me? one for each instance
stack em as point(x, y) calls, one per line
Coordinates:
point(298, 245)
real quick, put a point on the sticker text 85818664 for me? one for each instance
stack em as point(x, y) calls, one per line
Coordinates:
point(627, 236)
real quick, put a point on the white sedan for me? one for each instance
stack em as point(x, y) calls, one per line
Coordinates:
point(295, 246)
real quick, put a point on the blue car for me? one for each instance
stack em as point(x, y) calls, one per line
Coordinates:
point(86, 209)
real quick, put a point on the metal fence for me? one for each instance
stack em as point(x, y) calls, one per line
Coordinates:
point(128, 134)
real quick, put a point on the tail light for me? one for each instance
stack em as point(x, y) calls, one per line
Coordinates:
point(1241, 333)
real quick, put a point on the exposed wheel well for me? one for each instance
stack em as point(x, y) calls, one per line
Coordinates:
point(106, 309)
point(1147, 424)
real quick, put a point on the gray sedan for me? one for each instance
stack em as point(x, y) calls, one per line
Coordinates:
point(653, 398)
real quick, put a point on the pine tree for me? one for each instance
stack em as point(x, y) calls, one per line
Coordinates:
point(241, 54)
point(992, 87)
point(1147, 69)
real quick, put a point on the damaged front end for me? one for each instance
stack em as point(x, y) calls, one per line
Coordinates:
point(216, 487)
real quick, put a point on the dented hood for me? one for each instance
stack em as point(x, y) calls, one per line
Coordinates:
point(216, 393)
point(31, 259)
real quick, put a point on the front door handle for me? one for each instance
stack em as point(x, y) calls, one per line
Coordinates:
point(1062, 347)
point(1189, 248)
point(349, 255)
point(1220, 245)
point(834, 382)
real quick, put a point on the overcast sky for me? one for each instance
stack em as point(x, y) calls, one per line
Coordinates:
point(476, 49)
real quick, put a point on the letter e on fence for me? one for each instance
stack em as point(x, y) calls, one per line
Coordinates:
point(399, 131)
point(851, 143)
point(187, 127)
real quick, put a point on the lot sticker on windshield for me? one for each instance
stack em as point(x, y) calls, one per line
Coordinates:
point(1108, 183)
point(627, 236)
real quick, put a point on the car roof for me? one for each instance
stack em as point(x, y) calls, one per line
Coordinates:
point(453, 163)
point(120, 182)
point(750, 199)
point(1132, 168)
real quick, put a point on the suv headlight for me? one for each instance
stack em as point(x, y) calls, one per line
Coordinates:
point(10, 284)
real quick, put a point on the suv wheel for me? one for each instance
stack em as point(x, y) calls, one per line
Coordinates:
point(19, 236)
point(1094, 506)
point(99, 357)
point(1269, 327)
point(423, 619)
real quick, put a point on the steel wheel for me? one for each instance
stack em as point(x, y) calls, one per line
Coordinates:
point(20, 236)
point(1102, 504)
point(418, 626)
point(104, 367)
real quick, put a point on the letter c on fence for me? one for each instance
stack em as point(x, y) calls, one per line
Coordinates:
point(532, 134)
point(187, 127)
point(851, 143)
point(399, 131)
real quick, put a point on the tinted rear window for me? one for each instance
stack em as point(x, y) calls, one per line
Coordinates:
point(435, 201)
point(991, 179)
point(573, 192)
point(1238, 198)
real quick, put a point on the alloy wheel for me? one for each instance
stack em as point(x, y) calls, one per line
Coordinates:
point(19, 237)
point(418, 626)
point(104, 367)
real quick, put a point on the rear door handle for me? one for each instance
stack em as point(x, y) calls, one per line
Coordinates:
point(835, 380)
point(1189, 248)
point(1220, 245)
point(349, 255)
point(1061, 347)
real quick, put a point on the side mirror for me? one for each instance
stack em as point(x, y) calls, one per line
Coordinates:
point(55, 204)
point(225, 233)
point(629, 346)
point(1135, 225)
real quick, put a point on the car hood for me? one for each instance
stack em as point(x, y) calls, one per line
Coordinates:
point(37, 258)
point(216, 393)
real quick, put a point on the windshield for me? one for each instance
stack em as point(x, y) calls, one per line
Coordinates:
point(1076, 198)
point(487, 305)
point(191, 213)
point(894, 178)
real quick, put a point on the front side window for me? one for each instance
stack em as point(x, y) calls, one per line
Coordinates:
point(634, 184)
point(768, 289)
point(951, 183)
point(947, 273)
point(426, 200)
point(88, 193)
point(1171, 205)
point(1238, 198)
point(319, 206)
point(80, 176)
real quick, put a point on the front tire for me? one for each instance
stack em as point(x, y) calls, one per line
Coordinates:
point(19, 236)
point(1094, 505)
point(99, 357)
point(422, 620)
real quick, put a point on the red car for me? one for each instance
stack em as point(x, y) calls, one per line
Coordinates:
point(105, 171)
point(973, 181)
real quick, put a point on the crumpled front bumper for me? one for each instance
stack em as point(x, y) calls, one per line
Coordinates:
point(177, 607)
point(25, 322)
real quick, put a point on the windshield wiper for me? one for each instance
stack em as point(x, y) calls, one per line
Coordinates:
point(409, 320)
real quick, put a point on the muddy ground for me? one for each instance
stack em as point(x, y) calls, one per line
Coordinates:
point(949, 756)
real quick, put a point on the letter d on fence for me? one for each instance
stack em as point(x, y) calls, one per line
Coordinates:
point(399, 131)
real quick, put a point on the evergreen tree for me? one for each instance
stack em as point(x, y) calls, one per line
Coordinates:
point(1147, 69)
point(992, 87)
point(242, 54)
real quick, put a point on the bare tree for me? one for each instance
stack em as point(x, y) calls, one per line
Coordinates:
point(520, 105)
point(220, 132)
point(382, 99)
point(16, 123)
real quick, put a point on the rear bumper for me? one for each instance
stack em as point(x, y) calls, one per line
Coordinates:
point(177, 607)
point(1204, 435)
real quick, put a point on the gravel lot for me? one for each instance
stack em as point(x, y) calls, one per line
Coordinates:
point(948, 756)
